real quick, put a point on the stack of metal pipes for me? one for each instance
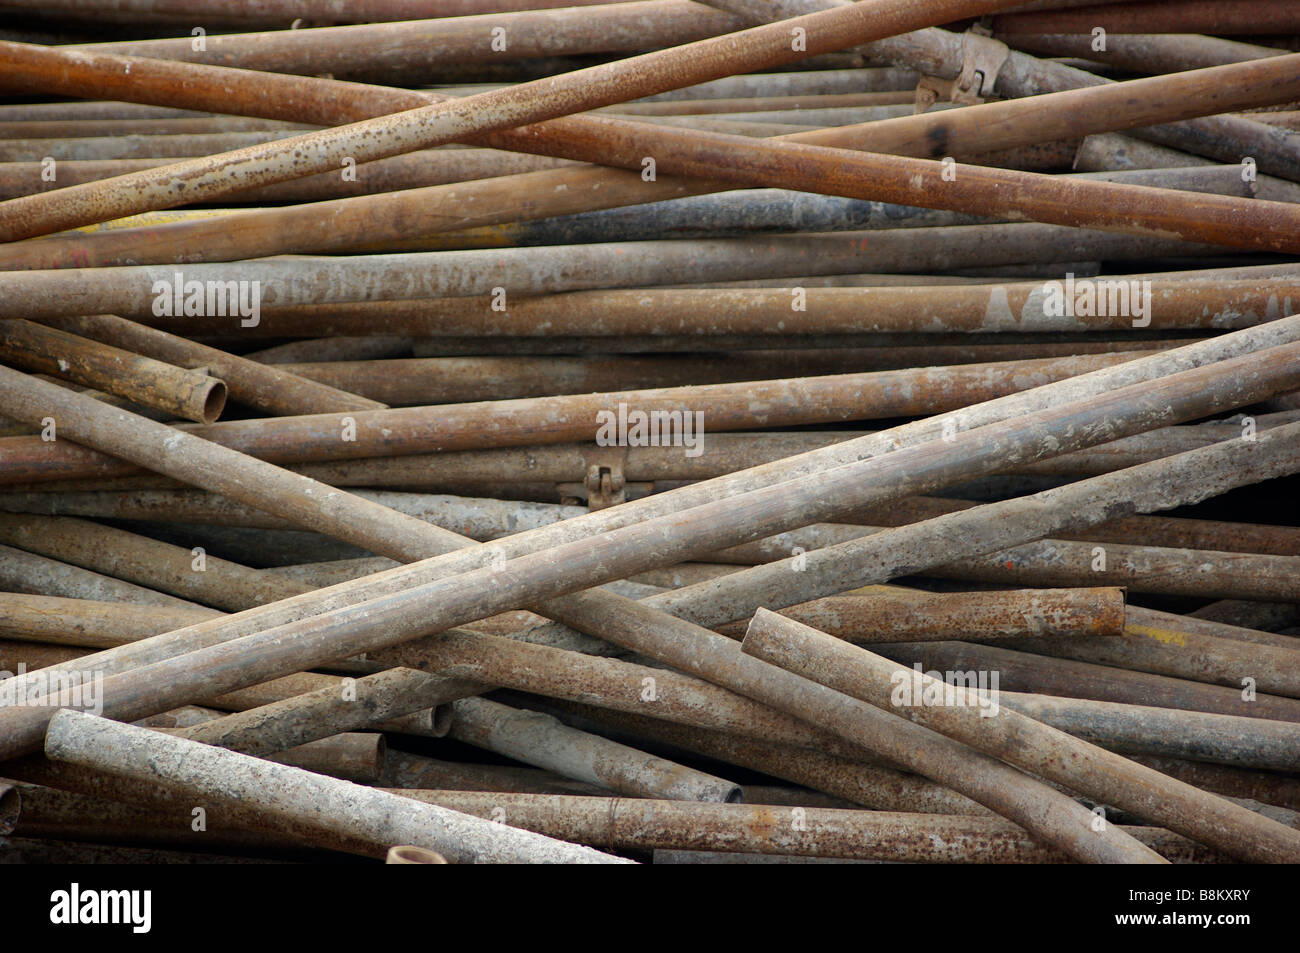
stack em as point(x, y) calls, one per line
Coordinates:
point(557, 431)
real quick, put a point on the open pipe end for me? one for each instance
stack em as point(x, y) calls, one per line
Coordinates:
point(441, 720)
point(409, 854)
point(10, 808)
point(214, 400)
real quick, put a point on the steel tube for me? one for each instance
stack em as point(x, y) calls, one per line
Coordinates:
point(1127, 399)
point(542, 741)
point(532, 420)
point(294, 794)
point(819, 832)
point(192, 394)
point(377, 138)
point(811, 462)
point(962, 713)
point(270, 388)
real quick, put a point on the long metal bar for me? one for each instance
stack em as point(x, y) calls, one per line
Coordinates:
point(438, 123)
point(1143, 369)
point(1126, 399)
point(225, 776)
point(963, 713)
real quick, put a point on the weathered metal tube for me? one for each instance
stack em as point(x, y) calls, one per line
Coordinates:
point(270, 388)
point(88, 622)
point(130, 289)
point(298, 795)
point(1168, 16)
point(192, 394)
point(26, 572)
point(857, 779)
point(543, 741)
point(963, 713)
point(202, 463)
point(550, 419)
point(1016, 307)
point(496, 109)
point(194, 576)
point(1142, 729)
point(1127, 399)
point(890, 614)
point(909, 435)
point(1041, 674)
point(326, 712)
point(820, 832)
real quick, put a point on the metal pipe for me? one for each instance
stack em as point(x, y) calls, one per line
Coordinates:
point(528, 421)
point(353, 756)
point(88, 622)
point(856, 778)
point(818, 832)
point(924, 141)
point(892, 614)
point(211, 466)
point(1044, 675)
point(543, 741)
point(291, 793)
point(410, 47)
point(1127, 400)
point(130, 290)
point(1144, 369)
point(925, 309)
point(488, 661)
point(1144, 729)
point(941, 53)
point(273, 389)
point(197, 577)
point(963, 713)
point(27, 572)
point(192, 394)
point(438, 123)
point(328, 711)
point(1168, 16)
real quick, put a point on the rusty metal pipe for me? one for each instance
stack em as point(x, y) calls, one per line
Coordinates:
point(858, 778)
point(1041, 674)
point(29, 573)
point(270, 388)
point(192, 394)
point(559, 419)
point(1143, 729)
point(891, 614)
point(962, 713)
point(325, 712)
point(216, 468)
point(412, 46)
point(540, 740)
point(925, 309)
point(186, 573)
point(377, 138)
point(818, 832)
point(1168, 16)
point(1090, 385)
point(286, 11)
point(1127, 399)
point(88, 622)
point(490, 661)
point(138, 291)
point(983, 529)
point(297, 795)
